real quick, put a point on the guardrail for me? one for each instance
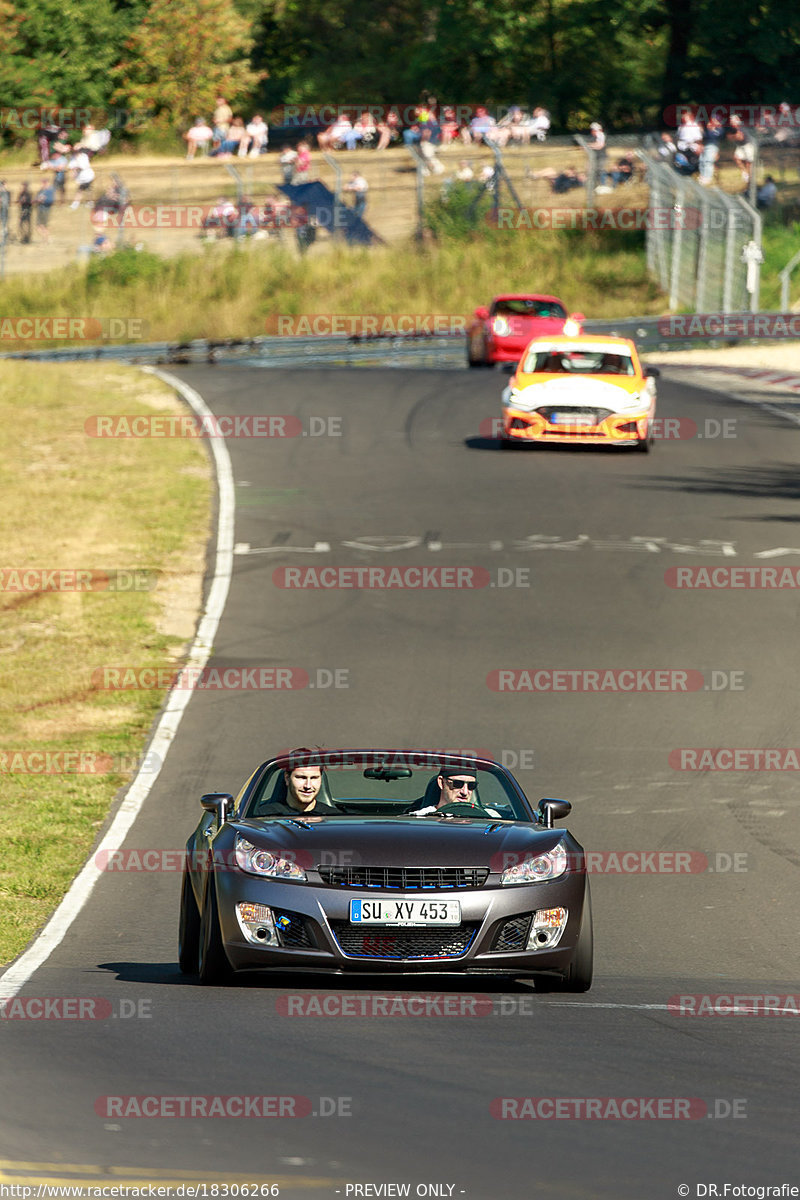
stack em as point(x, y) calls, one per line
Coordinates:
point(651, 334)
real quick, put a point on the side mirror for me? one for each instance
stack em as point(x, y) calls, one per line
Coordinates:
point(482, 313)
point(553, 810)
point(219, 803)
point(652, 373)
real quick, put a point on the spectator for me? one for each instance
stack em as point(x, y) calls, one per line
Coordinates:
point(540, 124)
point(388, 130)
point(58, 165)
point(465, 172)
point(560, 181)
point(687, 160)
point(199, 137)
point(709, 153)
point(766, 194)
point(597, 145)
point(305, 229)
point(689, 131)
point(288, 158)
point(223, 115)
point(5, 205)
point(302, 164)
point(667, 148)
point(359, 186)
point(365, 129)
point(84, 176)
point(514, 126)
point(338, 134)
point(623, 171)
point(25, 202)
point(94, 141)
point(258, 138)
point(744, 151)
point(44, 202)
point(427, 149)
point(449, 127)
point(715, 131)
point(482, 125)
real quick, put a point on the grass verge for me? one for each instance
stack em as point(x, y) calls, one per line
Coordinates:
point(230, 291)
point(98, 505)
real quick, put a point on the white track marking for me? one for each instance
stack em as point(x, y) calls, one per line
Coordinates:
point(56, 928)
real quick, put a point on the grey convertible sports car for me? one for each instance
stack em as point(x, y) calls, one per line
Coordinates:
point(385, 860)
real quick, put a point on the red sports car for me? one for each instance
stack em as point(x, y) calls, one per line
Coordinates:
point(501, 332)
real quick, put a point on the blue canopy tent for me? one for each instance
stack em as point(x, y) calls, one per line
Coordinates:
point(320, 204)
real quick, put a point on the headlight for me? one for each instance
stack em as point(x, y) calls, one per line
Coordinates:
point(509, 397)
point(538, 868)
point(264, 862)
point(571, 328)
point(500, 327)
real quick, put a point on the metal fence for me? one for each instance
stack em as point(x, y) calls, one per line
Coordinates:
point(703, 245)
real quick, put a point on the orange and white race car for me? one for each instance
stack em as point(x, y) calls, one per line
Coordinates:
point(585, 389)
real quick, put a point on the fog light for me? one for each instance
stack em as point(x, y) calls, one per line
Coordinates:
point(257, 924)
point(546, 928)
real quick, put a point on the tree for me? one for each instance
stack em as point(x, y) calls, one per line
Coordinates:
point(183, 55)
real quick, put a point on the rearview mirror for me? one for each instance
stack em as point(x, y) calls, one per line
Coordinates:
point(553, 810)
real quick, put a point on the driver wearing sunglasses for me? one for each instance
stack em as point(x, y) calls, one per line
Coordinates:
point(457, 785)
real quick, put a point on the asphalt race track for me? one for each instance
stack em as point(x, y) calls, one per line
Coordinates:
point(398, 468)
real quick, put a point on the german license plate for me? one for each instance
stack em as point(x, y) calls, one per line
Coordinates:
point(400, 911)
point(570, 418)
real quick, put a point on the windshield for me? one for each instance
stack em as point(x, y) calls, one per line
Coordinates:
point(529, 308)
point(553, 360)
point(393, 784)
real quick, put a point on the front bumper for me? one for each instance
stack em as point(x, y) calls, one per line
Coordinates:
point(617, 429)
point(323, 939)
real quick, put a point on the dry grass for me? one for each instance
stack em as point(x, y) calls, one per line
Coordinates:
point(95, 505)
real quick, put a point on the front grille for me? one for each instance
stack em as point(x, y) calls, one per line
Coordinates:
point(405, 879)
point(595, 415)
point(403, 944)
point(295, 934)
point(513, 934)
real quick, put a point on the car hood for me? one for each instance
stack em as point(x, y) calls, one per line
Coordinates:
point(573, 392)
point(461, 842)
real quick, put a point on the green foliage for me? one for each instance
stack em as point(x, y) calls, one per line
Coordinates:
point(461, 211)
point(125, 268)
point(180, 58)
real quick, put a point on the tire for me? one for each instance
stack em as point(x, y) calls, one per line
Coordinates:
point(579, 976)
point(188, 929)
point(644, 445)
point(212, 965)
point(476, 362)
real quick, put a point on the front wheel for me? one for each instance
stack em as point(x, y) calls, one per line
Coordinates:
point(188, 928)
point(213, 965)
point(579, 975)
point(473, 359)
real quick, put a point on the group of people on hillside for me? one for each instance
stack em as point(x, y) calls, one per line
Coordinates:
point(227, 136)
